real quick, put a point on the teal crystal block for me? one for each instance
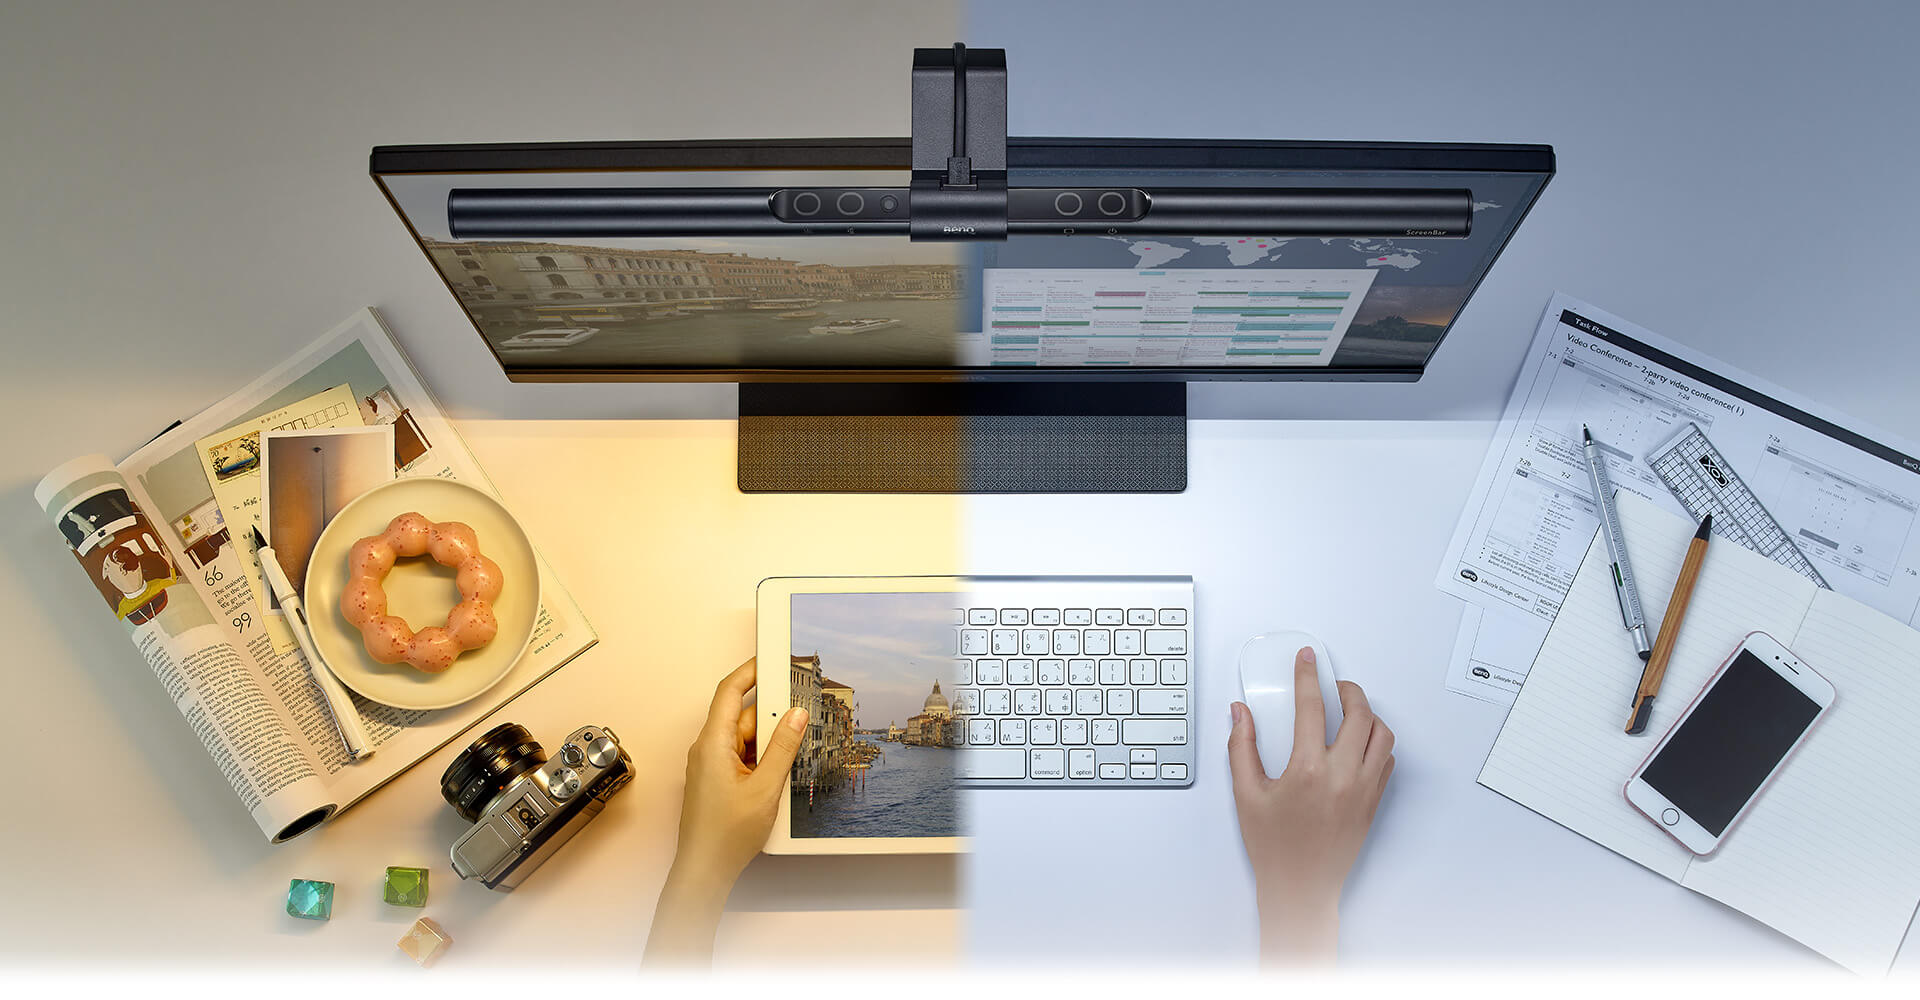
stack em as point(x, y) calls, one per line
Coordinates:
point(310, 899)
point(406, 886)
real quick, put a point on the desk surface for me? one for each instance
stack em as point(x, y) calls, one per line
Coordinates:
point(186, 204)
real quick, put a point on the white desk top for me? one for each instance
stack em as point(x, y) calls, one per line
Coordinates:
point(186, 203)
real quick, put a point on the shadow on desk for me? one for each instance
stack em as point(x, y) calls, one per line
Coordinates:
point(785, 883)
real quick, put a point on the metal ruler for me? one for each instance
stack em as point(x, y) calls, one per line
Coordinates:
point(1704, 483)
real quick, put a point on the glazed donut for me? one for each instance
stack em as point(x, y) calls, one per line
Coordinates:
point(388, 638)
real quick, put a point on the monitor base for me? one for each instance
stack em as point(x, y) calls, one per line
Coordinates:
point(963, 437)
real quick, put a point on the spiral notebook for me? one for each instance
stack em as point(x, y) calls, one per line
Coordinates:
point(1830, 852)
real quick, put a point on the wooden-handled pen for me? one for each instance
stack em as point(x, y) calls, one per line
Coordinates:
point(1656, 671)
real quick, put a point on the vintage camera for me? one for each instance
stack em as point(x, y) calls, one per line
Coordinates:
point(524, 806)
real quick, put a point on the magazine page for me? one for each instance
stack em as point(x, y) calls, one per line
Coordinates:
point(360, 355)
point(150, 588)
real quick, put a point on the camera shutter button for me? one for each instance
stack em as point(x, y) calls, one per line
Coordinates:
point(572, 755)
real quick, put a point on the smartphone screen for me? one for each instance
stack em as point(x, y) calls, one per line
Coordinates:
point(1725, 748)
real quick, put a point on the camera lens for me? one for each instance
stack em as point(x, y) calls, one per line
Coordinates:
point(487, 767)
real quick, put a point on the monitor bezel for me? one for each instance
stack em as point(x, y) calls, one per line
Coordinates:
point(894, 154)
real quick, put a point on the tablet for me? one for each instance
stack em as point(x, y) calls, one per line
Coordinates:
point(871, 659)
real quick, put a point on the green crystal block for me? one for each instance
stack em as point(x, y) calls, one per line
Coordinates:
point(310, 899)
point(406, 886)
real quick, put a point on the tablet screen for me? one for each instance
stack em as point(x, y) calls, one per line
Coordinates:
point(875, 674)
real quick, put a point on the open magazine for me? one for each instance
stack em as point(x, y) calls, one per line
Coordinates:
point(178, 569)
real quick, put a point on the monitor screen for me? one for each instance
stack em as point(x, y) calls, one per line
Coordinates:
point(1087, 305)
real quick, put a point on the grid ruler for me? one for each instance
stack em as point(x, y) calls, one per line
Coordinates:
point(1704, 483)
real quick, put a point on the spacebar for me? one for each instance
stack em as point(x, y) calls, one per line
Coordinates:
point(1010, 762)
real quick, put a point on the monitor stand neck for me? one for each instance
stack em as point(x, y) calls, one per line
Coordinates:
point(963, 437)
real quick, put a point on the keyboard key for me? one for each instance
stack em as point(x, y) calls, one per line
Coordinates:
point(959, 616)
point(1173, 616)
point(1173, 772)
point(1080, 763)
point(1006, 642)
point(1073, 731)
point(1079, 671)
point(1104, 732)
point(1173, 671)
point(989, 671)
point(1143, 771)
point(1109, 616)
point(1120, 701)
point(1038, 642)
point(972, 763)
point(1126, 642)
point(1142, 672)
point(1046, 616)
point(1087, 702)
point(980, 732)
point(1043, 731)
point(999, 701)
point(1113, 770)
point(1163, 702)
point(1141, 756)
point(1013, 732)
point(1076, 616)
point(1139, 616)
point(1013, 616)
point(1019, 671)
point(1164, 732)
point(980, 616)
point(966, 701)
point(963, 672)
point(1113, 672)
point(1066, 642)
point(1026, 701)
point(1162, 641)
point(973, 642)
point(1096, 642)
point(1053, 672)
point(1046, 763)
point(1059, 701)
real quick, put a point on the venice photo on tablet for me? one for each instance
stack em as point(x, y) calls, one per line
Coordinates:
point(874, 672)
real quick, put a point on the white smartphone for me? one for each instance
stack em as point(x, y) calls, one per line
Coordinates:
point(1739, 732)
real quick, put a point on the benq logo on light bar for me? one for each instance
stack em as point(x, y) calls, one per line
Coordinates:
point(967, 230)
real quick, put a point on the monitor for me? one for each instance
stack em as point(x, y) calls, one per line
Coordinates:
point(819, 293)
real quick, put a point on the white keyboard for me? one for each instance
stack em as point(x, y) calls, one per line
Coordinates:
point(1075, 681)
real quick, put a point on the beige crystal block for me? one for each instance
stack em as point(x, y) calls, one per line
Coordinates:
point(425, 941)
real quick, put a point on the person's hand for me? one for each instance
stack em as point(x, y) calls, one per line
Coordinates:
point(725, 815)
point(1303, 829)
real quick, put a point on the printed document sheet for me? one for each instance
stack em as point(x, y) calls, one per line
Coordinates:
point(1848, 494)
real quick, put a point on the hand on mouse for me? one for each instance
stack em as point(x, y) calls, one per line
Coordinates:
point(1303, 829)
point(725, 816)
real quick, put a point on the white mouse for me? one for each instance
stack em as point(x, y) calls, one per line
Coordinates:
point(1266, 684)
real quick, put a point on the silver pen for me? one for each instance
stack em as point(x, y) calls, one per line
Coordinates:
point(339, 705)
point(1623, 588)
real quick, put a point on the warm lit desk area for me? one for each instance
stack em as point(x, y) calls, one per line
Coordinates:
point(1325, 507)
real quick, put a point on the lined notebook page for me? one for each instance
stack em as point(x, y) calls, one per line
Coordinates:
point(1830, 852)
point(1563, 752)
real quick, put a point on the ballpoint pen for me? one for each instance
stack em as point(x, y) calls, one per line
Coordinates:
point(1623, 587)
point(345, 718)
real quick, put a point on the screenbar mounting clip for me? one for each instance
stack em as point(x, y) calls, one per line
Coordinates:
point(959, 187)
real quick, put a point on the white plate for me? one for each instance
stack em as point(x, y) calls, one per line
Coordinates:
point(422, 592)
